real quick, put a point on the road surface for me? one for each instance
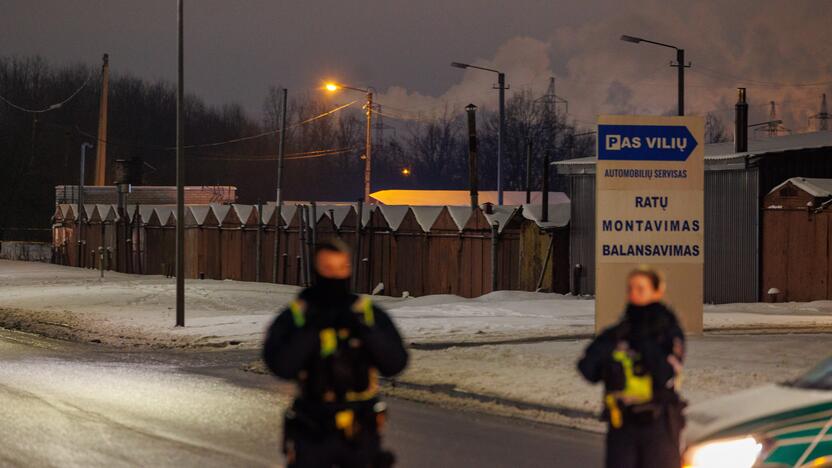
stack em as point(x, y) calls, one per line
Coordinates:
point(66, 404)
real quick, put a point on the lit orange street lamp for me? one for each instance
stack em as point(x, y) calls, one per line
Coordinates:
point(368, 140)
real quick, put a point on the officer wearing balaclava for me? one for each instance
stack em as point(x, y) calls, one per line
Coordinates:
point(335, 345)
point(639, 360)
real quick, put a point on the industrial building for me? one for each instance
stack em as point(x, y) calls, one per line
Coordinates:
point(737, 176)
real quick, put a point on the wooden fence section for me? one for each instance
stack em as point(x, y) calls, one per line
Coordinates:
point(796, 236)
point(398, 250)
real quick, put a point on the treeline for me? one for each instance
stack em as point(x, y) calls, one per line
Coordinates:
point(323, 156)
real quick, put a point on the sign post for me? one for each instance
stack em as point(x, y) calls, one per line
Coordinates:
point(649, 211)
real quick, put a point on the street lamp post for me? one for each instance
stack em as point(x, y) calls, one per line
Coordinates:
point(180, 175)
point(368, 135)
point(680, 65)
point(501, 86)
point(281, 144)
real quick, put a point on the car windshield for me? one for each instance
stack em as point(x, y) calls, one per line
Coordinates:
point(820, 377)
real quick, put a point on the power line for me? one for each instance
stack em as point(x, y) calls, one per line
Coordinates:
point(720, 75)
point(51, 107)
point(398, 117)
point(273, 157)
point(267, 133)
point(110, 141)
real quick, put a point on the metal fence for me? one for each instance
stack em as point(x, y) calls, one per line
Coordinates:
point(732, 235)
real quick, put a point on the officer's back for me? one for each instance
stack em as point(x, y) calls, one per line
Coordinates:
point(335, 345)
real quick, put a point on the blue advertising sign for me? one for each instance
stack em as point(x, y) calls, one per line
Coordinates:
point(645, 143)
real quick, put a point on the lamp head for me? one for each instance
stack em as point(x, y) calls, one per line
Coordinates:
point(459, 65)
point(633, 39)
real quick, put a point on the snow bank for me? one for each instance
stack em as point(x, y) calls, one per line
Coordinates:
point(135, 310)
point(544, 373)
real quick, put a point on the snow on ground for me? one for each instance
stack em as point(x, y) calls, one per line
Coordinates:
point(134, 310)
point(545, 374)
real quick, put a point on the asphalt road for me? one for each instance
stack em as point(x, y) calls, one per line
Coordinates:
point(65, 404)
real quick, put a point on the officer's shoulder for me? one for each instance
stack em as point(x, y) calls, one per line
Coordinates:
point(360, 302)
point(291, 310)
point(610, 332)
point(363, 303)
point(669, 313)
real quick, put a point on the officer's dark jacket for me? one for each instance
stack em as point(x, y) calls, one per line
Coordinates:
point(293, 347)
point(651, 331)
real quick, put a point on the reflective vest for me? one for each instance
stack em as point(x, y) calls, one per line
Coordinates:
point(638, 387)
point(342, 371)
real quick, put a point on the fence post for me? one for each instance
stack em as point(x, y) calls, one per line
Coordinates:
point(101, 258)
point(494, 239)
point(357, 253)
point(301, 248)
point(258, 248)
point(309, 246)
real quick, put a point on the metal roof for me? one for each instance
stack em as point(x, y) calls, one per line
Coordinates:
point(820, 188)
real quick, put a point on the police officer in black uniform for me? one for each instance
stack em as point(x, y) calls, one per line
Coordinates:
point(335, 344)
point(639, 361)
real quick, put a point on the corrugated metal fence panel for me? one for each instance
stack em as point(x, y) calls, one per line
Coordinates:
point(582, 233)
point(732, 236)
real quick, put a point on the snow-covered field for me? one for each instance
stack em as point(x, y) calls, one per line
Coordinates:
point(134, 310)
point(526, 344)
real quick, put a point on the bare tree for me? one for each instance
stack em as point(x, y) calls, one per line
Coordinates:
point(715, 130)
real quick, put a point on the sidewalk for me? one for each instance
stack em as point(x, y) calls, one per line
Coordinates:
point(137, 310)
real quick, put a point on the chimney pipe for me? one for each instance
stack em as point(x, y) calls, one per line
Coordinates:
point(741, 123)
point(544, 202)
point(472, 155)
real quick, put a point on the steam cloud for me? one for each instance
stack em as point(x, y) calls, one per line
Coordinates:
point(758, 45)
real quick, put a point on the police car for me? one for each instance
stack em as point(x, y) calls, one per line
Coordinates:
point(784, 425)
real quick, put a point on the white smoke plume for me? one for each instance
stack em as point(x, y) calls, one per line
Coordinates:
point(769, 47)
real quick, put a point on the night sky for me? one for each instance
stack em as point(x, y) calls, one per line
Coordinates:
point(236, 50)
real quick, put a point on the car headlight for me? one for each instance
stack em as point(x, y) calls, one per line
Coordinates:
point(727, 453)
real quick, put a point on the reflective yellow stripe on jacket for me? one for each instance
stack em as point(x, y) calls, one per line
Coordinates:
point(365, 306)
point(298, 308)
point(638, 389)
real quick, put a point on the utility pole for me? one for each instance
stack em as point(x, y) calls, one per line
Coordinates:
point(79, 217)
point(501, 136)
point(528, 170)
point(101, 156)
point(368, 147)
point(180, 174)
point(472, 155)
point(680, 65)
point(281, 143)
